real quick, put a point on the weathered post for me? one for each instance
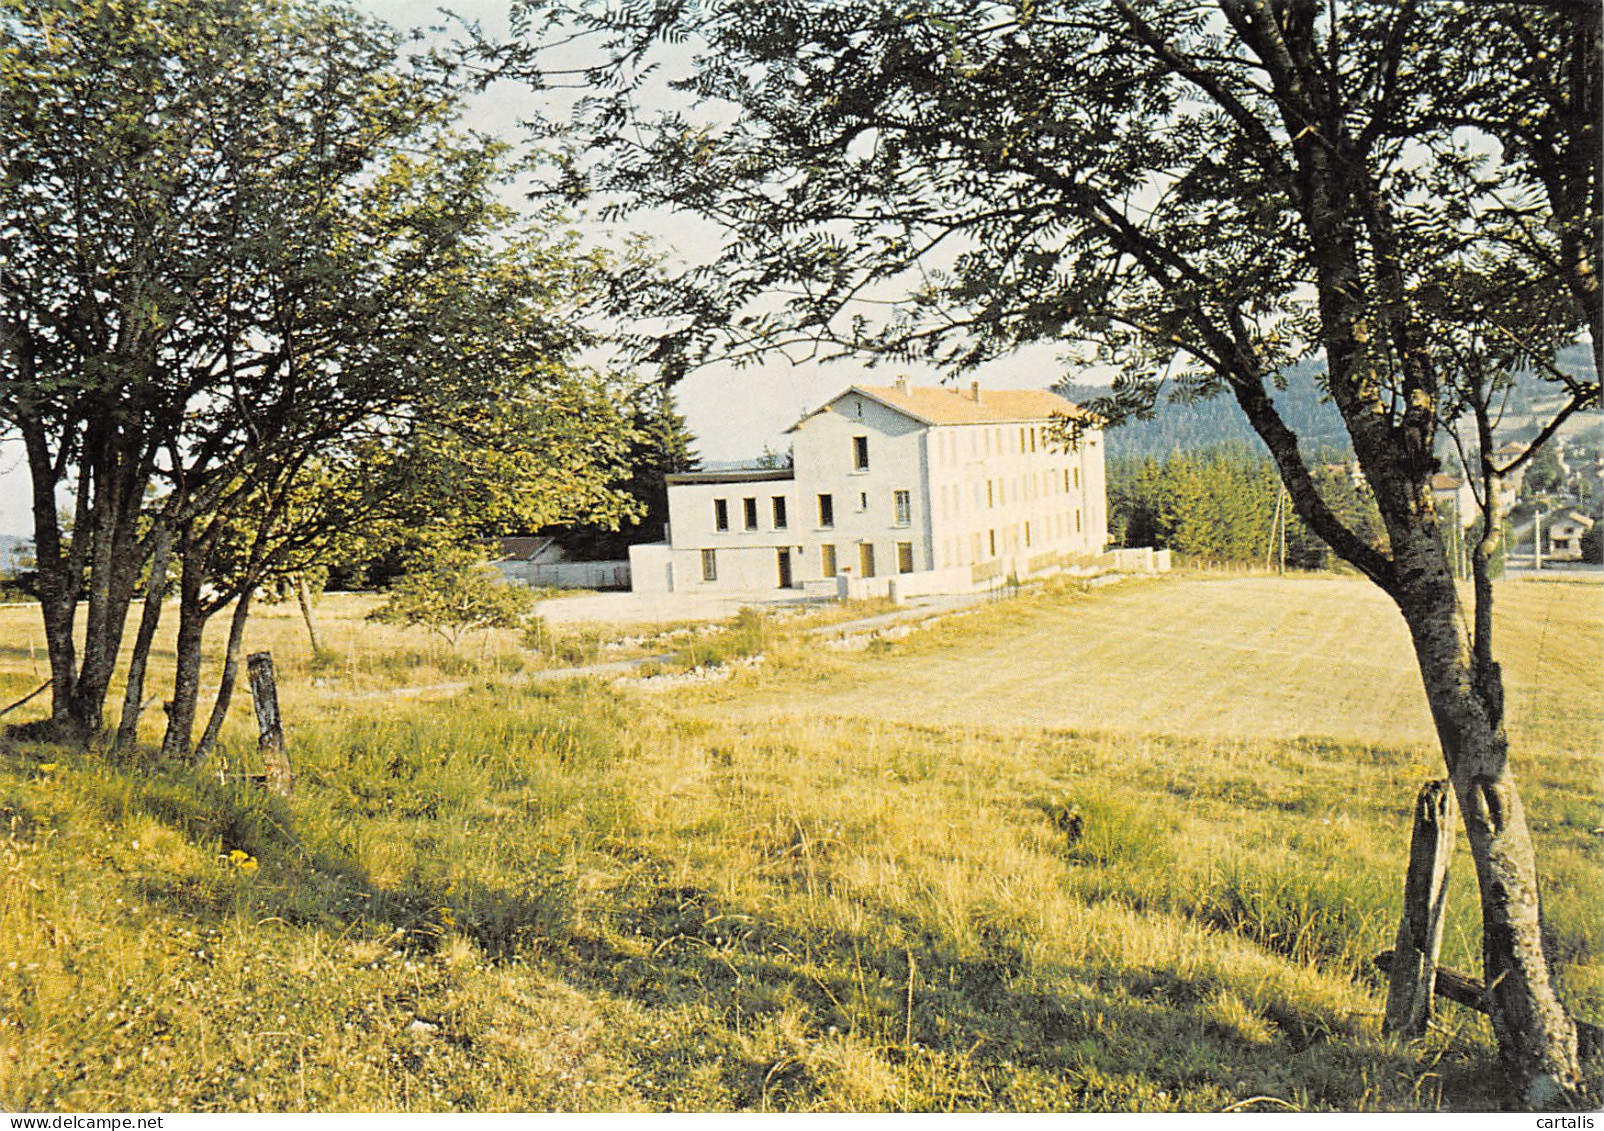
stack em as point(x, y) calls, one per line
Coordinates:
point(1413, 973)
point(270, 729)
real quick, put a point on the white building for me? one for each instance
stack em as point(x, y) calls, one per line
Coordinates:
point(939, 490)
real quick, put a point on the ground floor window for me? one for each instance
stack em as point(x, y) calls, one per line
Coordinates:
point(865, 559)
point(827, 566)
point(904, 557)
point(709, 565)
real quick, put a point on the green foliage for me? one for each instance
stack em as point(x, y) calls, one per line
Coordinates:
point(1545, 474)
point(1220, 504)
point(455, 591)
point(659, 446)
point(257, 276)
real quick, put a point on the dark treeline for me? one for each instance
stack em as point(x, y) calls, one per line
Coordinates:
point(1224, 504)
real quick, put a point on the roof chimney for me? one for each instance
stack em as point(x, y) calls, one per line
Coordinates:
point(974, 391)
point(902, 385)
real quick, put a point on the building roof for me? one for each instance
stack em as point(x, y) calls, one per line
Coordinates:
point(734, 475)
point(520, 549)
point(1446, 481)
point(934, 405)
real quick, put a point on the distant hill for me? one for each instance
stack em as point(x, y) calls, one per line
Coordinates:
point(1178, 427)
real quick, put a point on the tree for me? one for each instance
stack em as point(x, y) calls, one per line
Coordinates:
point(661, 446)
point(1201, 193)
point(455, 591)
point(250, 271)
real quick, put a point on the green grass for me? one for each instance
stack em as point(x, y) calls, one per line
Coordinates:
point(566, 897)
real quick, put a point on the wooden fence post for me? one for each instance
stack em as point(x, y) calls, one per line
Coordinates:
point(1413, 973)
point(270, 728)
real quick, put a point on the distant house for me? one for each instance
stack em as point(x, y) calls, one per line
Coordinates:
point(938, 489)
point(536, 550)
point(1565, 532)
point(1504, 455)
point(1455, 497)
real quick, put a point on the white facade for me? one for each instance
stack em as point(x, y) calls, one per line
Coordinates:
point(962, 489)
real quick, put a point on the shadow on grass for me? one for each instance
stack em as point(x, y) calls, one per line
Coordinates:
point(781, 1008)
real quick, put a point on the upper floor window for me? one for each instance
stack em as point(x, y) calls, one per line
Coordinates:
point(779, 512)
point(721, 514)
point(709, 565)
point(749, 513)
point(827, 511)
point(904, 507)
point(860, 453)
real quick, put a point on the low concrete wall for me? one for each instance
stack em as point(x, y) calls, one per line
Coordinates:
point(901, 586)
point(567, 575)
point(651, 568)
point(1138, 559)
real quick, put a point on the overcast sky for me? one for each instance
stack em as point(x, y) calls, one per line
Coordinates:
point(734, 414)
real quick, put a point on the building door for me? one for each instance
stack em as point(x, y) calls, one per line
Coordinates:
point(784, 560)
point(866, 559)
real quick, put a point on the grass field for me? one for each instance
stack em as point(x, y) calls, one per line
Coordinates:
point(837, 881)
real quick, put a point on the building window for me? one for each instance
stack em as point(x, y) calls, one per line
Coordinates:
point(1022, 441)
point(904, 507)
point(749, 513)
point(863, 500)
point(826, 511)
point(991, 543)
point(860, 453)
point(865, 559)
point(904, 557)
point(709, 565)
point(1027, 535)
point(721, 514)
point(991, 494)
point(779, 512)
point(1077, 478)
point(1077, 520)
point(1033, 439)
point(827, 565)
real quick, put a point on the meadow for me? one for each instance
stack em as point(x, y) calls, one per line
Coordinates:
point(1129, 848)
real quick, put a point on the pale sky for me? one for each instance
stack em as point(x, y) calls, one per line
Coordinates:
point(733, 413)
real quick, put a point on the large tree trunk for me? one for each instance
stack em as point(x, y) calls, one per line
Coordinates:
point(192, 617)
point(225, 689)
point(60, 578)
point(119, 475)
point(1536, 1037)
point(150, 619)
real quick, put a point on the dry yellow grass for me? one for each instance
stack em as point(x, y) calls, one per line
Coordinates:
point(1231, 657)
point(570, 897)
